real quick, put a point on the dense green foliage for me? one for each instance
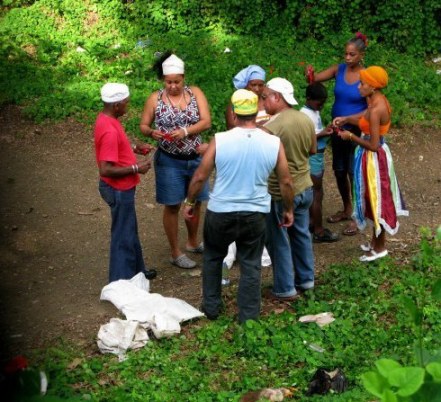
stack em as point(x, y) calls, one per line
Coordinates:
point(55, 55)
point(408, 25)
point(221, 360)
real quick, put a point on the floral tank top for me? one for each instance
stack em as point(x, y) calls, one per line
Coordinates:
point(169, 118)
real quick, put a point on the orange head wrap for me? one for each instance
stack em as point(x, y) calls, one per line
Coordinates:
point(374, 76)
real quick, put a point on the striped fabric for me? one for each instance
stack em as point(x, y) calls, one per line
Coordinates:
point(376, 195)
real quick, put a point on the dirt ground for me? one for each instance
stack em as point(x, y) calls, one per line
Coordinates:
point(55, 230)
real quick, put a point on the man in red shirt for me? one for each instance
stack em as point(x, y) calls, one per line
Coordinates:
point(119, 175)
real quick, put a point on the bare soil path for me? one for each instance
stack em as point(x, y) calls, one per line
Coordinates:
point(54, 229)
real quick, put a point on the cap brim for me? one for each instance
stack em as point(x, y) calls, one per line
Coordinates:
point(290, 99)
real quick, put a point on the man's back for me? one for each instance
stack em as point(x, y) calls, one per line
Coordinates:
point(295, 130)
point(244, 159)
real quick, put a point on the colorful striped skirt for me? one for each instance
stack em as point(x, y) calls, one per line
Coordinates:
point(376, 195)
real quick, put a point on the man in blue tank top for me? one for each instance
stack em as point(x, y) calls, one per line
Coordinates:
point(244, 157)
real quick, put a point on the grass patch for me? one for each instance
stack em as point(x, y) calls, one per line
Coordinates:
point(222, 360)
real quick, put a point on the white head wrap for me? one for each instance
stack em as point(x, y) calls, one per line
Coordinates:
point(173, 65)
point(111, 92)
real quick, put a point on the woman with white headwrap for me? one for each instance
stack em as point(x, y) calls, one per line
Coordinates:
point(180, 114)
point(253, 79)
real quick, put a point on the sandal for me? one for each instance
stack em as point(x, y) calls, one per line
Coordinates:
point(373, 256)
point(351, 229)
point(366, 247)
point(183, 262)
point(326, 236)
point(198, 250)
point(338, 217)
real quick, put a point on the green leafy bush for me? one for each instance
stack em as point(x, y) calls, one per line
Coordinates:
point(55, 55)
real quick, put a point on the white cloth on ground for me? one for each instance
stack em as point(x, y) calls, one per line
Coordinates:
point(118, 336)
point(151, 310)
point(320, 319)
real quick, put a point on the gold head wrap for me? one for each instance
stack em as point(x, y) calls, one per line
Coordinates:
point(375, 76)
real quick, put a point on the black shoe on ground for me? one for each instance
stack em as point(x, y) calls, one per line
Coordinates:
point(211, 317)
point(326, 236)
point(150, 273)
point(268, 294)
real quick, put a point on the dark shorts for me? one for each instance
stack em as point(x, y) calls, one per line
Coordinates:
point(343, 152)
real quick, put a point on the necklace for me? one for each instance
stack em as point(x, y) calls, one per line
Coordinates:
point(175, 106)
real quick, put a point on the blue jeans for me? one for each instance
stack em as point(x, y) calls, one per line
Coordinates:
point(247, 229)
point(290, 248)
point(125, 248)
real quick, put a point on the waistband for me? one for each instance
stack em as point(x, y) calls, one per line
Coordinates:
point(189, 157)
point(321, 151)
point(367, 137)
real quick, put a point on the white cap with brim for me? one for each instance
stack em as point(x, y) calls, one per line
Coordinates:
point(112, 92)
point(172, 65)
point(284, 87)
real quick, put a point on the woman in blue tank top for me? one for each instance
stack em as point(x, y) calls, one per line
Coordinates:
point(347, 101)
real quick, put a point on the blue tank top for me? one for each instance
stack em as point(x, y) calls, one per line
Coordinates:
point(347, 97)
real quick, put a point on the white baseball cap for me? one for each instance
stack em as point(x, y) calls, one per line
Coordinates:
point(284, 87)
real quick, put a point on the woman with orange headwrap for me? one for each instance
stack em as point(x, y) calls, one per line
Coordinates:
point(376, 194)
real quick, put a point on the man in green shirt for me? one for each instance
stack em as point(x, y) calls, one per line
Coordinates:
point(290, 249)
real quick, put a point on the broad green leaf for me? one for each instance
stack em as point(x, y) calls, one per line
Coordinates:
point(374, 383)
point(407, 379)
point(430, 392)
point(436, 290)
point(389, 396)
point(434, 369)
point(385, 366)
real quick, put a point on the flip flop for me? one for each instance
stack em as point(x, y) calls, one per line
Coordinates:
point(338, 217)
point(351, 229)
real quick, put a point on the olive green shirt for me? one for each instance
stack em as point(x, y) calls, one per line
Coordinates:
point(295, 131)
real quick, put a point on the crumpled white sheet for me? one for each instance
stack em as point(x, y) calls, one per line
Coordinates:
point(231, 256)
point(320, 319)
point(162, 315)
point(118, 336)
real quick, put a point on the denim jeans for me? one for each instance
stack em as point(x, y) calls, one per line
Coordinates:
point(125, 248)
point(290, 248)
point(247, 229)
